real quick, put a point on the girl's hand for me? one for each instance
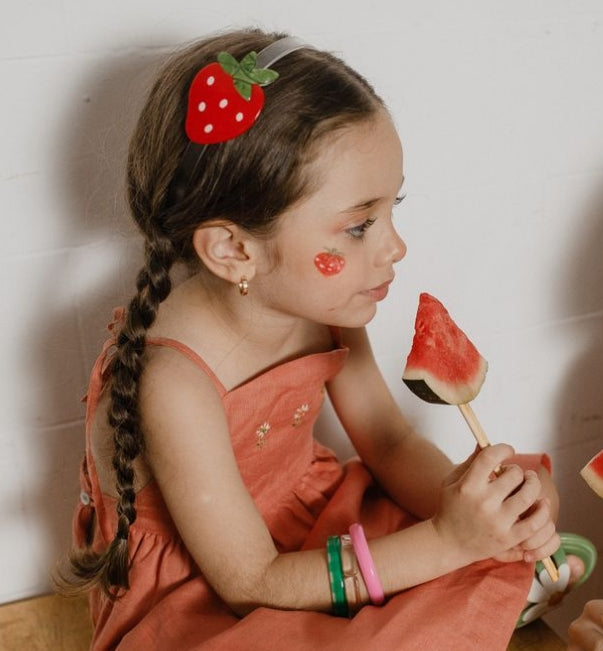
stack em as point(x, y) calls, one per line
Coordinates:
point(483, 516)
point(545, 541)
point(586, 632)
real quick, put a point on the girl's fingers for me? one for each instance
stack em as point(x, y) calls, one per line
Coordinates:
point(524, 498)
point(507, 482)
point(512, 555)
point(548, 549)
point(537, 533)
point(484, 464)
point(540, 538)
point(542, 544)
point(462, 468)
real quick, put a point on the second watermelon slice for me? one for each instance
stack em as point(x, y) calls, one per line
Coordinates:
point(593, 473)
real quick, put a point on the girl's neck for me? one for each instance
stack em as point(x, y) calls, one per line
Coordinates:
point(236, 335)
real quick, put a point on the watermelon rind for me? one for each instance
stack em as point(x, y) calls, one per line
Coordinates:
point(429, 388)
point(592, 473)
point(443, 365)
point(421, 389)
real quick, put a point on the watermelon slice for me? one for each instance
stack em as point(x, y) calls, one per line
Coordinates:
point(443, 366)
point(593, 473)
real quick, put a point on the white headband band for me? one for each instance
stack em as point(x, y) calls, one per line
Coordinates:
point(277, 50)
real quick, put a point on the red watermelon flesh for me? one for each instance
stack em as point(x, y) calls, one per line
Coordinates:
point(443, 366)
point(593, 473)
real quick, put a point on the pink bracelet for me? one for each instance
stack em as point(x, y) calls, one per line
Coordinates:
point(367, 567)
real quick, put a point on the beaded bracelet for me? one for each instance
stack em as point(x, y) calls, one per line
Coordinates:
point(340, 604)
point(367, 567)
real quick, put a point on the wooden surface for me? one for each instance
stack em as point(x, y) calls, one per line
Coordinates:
point(60, 624)
point(43, 623)
point(536, 636)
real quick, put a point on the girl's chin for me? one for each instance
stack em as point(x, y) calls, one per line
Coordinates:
point(358, 319)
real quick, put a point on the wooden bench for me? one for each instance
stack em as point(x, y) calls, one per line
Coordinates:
point(60, 624)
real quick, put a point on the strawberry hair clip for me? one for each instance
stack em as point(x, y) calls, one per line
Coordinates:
point(226, 98)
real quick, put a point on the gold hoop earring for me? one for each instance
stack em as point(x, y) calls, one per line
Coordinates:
point(243, 286)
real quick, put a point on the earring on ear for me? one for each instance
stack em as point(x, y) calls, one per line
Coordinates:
point(243, 286)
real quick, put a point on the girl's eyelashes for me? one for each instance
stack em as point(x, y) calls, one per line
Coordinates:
point(357, 232)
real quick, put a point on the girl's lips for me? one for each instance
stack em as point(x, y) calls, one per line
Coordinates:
point(380, 292)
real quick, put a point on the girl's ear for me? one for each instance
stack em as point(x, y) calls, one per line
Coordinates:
point(226, 250)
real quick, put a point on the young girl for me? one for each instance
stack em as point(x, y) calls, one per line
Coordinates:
point(210, 518)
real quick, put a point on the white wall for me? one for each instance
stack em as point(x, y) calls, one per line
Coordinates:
point(499, 106)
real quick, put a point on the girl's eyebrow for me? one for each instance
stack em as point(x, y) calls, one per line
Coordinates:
point(363, 205)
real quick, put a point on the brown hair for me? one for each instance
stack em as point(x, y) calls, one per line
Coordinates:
point(249, 180)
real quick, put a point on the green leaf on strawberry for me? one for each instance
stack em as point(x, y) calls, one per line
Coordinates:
point(248, 62)
point(245, 74)
point(228, 63)
point(265, 76)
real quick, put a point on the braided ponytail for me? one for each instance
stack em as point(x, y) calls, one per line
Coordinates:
point(109, 570)
point(153, 286)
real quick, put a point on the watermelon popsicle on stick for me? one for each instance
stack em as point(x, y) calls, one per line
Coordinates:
point(444, 367)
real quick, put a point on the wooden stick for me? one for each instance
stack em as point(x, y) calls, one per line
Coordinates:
point(551, 568)
point(475, 426)
point(482, 440)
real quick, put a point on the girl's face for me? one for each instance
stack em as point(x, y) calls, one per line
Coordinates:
point(337, 247)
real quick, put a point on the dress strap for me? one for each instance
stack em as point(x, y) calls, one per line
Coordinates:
point(98, 375)
point(192, 355)
point(99, 372)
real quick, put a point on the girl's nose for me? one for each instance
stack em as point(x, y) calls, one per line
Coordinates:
point(393, 248)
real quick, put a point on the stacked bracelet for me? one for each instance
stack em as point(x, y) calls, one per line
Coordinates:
point(338, 596)
point(367, 567)
point(351, 578)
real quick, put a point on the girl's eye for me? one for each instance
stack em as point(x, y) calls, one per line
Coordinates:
point(399, 200)
point(357, 232)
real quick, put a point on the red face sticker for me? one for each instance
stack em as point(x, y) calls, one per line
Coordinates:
point(329, 262)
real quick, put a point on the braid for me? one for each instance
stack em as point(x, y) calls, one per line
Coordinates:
point(110, 569)
point(153, 285)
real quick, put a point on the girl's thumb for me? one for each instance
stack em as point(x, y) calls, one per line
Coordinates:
point(462, 468)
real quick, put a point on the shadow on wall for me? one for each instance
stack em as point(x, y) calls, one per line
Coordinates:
point(96, 273)
point(580, 402)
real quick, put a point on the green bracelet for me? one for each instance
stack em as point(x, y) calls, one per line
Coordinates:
point(340, 604)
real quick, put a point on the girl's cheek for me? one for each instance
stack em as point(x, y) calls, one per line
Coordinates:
point(329, 262)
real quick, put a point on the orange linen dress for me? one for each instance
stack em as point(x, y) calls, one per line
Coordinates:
point(305, 495)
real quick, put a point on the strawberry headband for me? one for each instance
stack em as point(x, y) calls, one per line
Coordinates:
point(226, 97)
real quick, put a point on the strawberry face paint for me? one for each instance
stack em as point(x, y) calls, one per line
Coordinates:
point(329, 262)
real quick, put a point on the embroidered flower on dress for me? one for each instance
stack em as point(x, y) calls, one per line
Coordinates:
point(300, 412)
point(261, 432)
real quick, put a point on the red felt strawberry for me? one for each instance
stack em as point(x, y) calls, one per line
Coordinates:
point(329, 262)
point(226, 98)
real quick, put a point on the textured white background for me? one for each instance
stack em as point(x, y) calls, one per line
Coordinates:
point(500, 109)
